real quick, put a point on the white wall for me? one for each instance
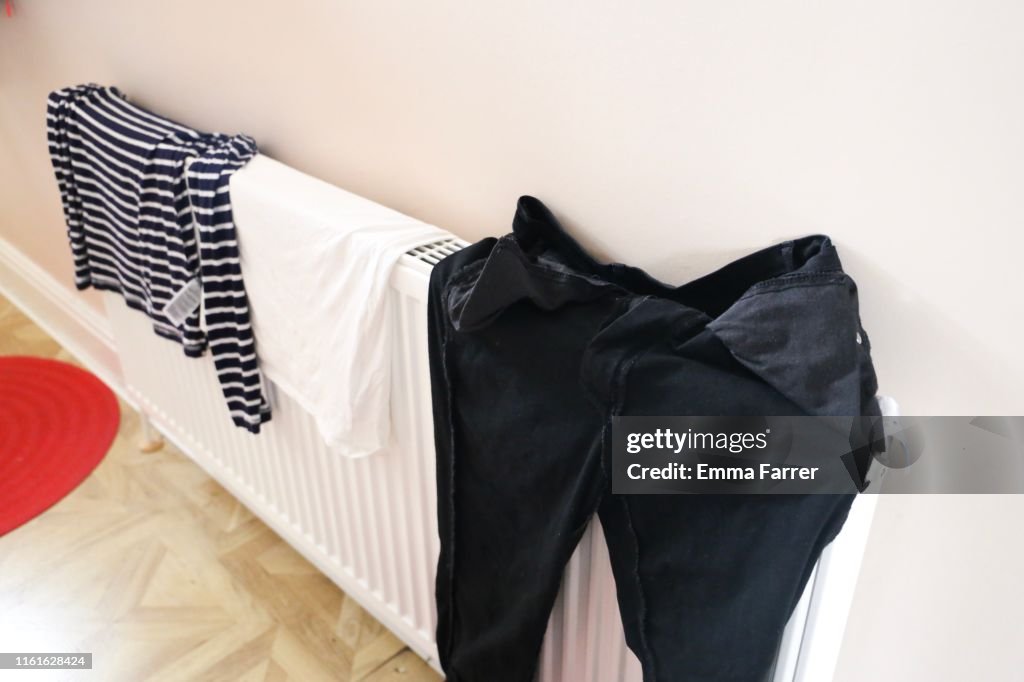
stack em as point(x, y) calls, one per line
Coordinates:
point(940, 595)
point(673, 135)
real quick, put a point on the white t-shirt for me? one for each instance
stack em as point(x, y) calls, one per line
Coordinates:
point(317, 262)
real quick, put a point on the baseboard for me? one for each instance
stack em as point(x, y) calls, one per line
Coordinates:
point(81, 329)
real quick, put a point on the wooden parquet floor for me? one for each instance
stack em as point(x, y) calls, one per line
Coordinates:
point(163, 575)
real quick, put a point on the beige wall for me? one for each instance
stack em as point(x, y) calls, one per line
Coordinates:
point(940, 594)
point(674, 135)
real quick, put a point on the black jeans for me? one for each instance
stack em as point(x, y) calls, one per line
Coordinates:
point(534, 346)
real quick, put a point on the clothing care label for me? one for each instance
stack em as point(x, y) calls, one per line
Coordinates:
point(184, 302)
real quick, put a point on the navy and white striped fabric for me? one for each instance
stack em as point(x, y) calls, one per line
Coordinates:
point(147, 208)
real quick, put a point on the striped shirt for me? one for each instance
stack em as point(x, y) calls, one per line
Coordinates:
point(149, 216)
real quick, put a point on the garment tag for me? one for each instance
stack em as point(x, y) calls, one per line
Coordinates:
point(183, 302)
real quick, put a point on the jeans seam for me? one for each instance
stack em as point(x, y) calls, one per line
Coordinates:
point(620, 378)
point(795, 281)
point(464, 277)
point(464, 273)
point(648, 652)
point(546, 272)
point(450, 569)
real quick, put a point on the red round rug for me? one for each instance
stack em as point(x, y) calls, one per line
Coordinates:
point(56, 424)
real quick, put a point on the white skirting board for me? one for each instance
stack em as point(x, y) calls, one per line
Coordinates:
point(369, 524)
point(62, 313)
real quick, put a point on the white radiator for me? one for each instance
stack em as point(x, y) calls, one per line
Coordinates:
point(370, 525)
